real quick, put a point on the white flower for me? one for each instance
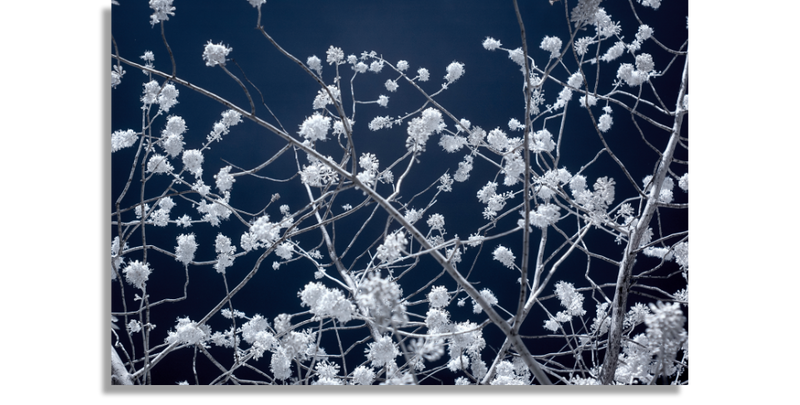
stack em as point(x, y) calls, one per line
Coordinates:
point(605, 122)
point(392, 247)
point(544, 216)
point(284, 250)
point(513, 169)
point(327, 373)
point(360, 67)
point(582, 45)
point(363, 375)
point(458, 363)
point(587, 101)
point(576, 80)
point(222, 127)
point(517, 56)
point(436, 221)
point(446, 183)
point(151, 90)
point(683, 183)
point(412, 215)
point(553, 45)
point(437, 320)
point(185, 249)
point(570, 298)
point(542, 141)
point(665, 332)
point(424, 75)
point(391, 85)
point(504, 255)
point(487, 295)
point(162, 10)
point(335, 55)
point(498, 140)
point(188, 332)
point(116, 76)
point(281, 364)
point(381, 298)
point(438, 297)
point(326, 302)
point(224, 179)
point(376, 66)
point(382, 352)
point(315, 128)
point(682, 254)
point(158, 164)
point(192, 161)
point(644, 63)
point(584, 12)
point(315, 64)
point(454, 71)
point(452, 143)
point(318, 175)
point(215, 54)
point(256, 3)
point(491, 44)
point(487, 192)
point(168, 97)
point(421, 128)
point(322, 99)
point(551, 324)
point(563, 97)
point(644, 33)
point(462, 174)
point(614, 52)
point(402, 66)
point(123, 139)
point(383, 101)
point(630, 76)
point(655, 4)
point(137, 273)
point(225, 252)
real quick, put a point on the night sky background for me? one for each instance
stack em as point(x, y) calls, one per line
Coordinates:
point(429, 34)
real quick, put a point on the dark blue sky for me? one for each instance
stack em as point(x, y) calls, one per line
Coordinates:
point(428, 34)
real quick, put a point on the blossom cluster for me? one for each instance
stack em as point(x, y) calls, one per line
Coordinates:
point(421, 128)
point(264, 233)
point(381, 298)
point(215, 54)
point(571, 300)
point(326, 302)
point(392, 247)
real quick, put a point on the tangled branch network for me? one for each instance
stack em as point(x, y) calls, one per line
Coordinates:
point(327, 251)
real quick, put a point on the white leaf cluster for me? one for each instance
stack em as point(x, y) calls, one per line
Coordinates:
point(137, 273)
point(454, 71)
point(225, 251)
point(315, 128)
point(264, 233)
point(504, 255)
point(215, 54)
point(326, 302)
point(186, 248)
point(222, 127)
point(596, 202)
point(318, 174)
point(571, 300)
point(392, 247)
point(421, 128)
point(381, 298)
point(188, 332)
